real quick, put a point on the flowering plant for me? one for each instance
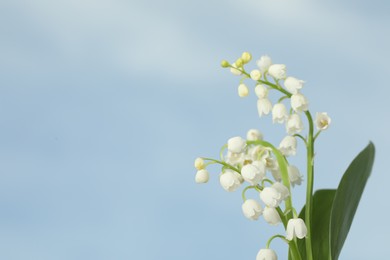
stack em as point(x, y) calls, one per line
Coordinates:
point(319, 230)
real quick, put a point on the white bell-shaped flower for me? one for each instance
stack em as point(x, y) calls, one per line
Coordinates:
point(234, 159)
point(293, 85)
point(255, 75)
point(294, 124)
point(229, 180)
point(299, 102)
point(294, 175)
point(236, 144)
point(243, 90)
point(251, 209)
point(271, 215)
point(254, 135)
point(266, 254)
point(202, 176)
point(199, 163)
point(263, 63)
point(264, 106)
point(277, 71)
point(234, 70)
point(271, 197)
point(279, 113)
point(253, 173)
point(296, 228)
point(283, 190)
point(261, 91)
point(322, 121)
point(288, 146)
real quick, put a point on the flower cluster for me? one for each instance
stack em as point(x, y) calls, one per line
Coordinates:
point(258, 164)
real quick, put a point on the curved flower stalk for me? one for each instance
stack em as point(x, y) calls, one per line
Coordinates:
point(264, 167)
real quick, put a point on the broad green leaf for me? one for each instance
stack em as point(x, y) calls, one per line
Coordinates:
point(322, 207)
point(347, 198)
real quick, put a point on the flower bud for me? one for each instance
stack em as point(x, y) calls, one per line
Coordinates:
point(199, 163)
point(225, 64)
point(322, 121)
point(271, 215)
point(234, 158)
point(229, 180)
point(296, 228)
point(293, 85)
point(294, 175)
point(235, 69)
point(243, 90)
point(253, 173)
point(255, 75)
point(236, 144)
point(277, 71)
point(251, 209)
point(263, 63)
point(264, 106)
point(202, 176)
point(288, 146)
point(261, 91)
point(299, 103)
point(294, 124)
point(239, 62)
point(266, 254)
point(271, 197)
point(246, 57)
point(283, 190)
point(279, 113)
point(254, 135)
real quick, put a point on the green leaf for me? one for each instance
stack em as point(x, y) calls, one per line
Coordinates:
point(347, 198)
point(322, 208)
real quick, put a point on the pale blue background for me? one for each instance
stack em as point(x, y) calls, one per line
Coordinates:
point(105, 104)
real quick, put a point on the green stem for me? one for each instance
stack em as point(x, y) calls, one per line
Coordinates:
point(244, 191)
point(222, 163)
point(310, 181)
point(273, 237)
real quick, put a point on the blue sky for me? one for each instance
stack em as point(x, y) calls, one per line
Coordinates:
point(104, 105)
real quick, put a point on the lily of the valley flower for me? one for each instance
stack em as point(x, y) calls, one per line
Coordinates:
point(279, 113)
point(263, 63)
point(236, 144)
point(243, 90)
point(266, 254)
point(234, 70)
point(199, 163)
point(271, 215)
point(264, 106)
point(299, 103)
point(261, 91)
point(230, 180)
point(255, 75)
point(294, 124)
point(283, 190)
point(277, 71)
point(202, 176)
point(293, 85)
point(296, 228)
point(251, 209)
point(253, 173)
point(294, 175)
point(254, 135)
point(271, 197)
point(288, 146)
point(322, 121)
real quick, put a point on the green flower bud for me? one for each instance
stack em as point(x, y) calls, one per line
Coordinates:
point(239, 62)
point(225, 64)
